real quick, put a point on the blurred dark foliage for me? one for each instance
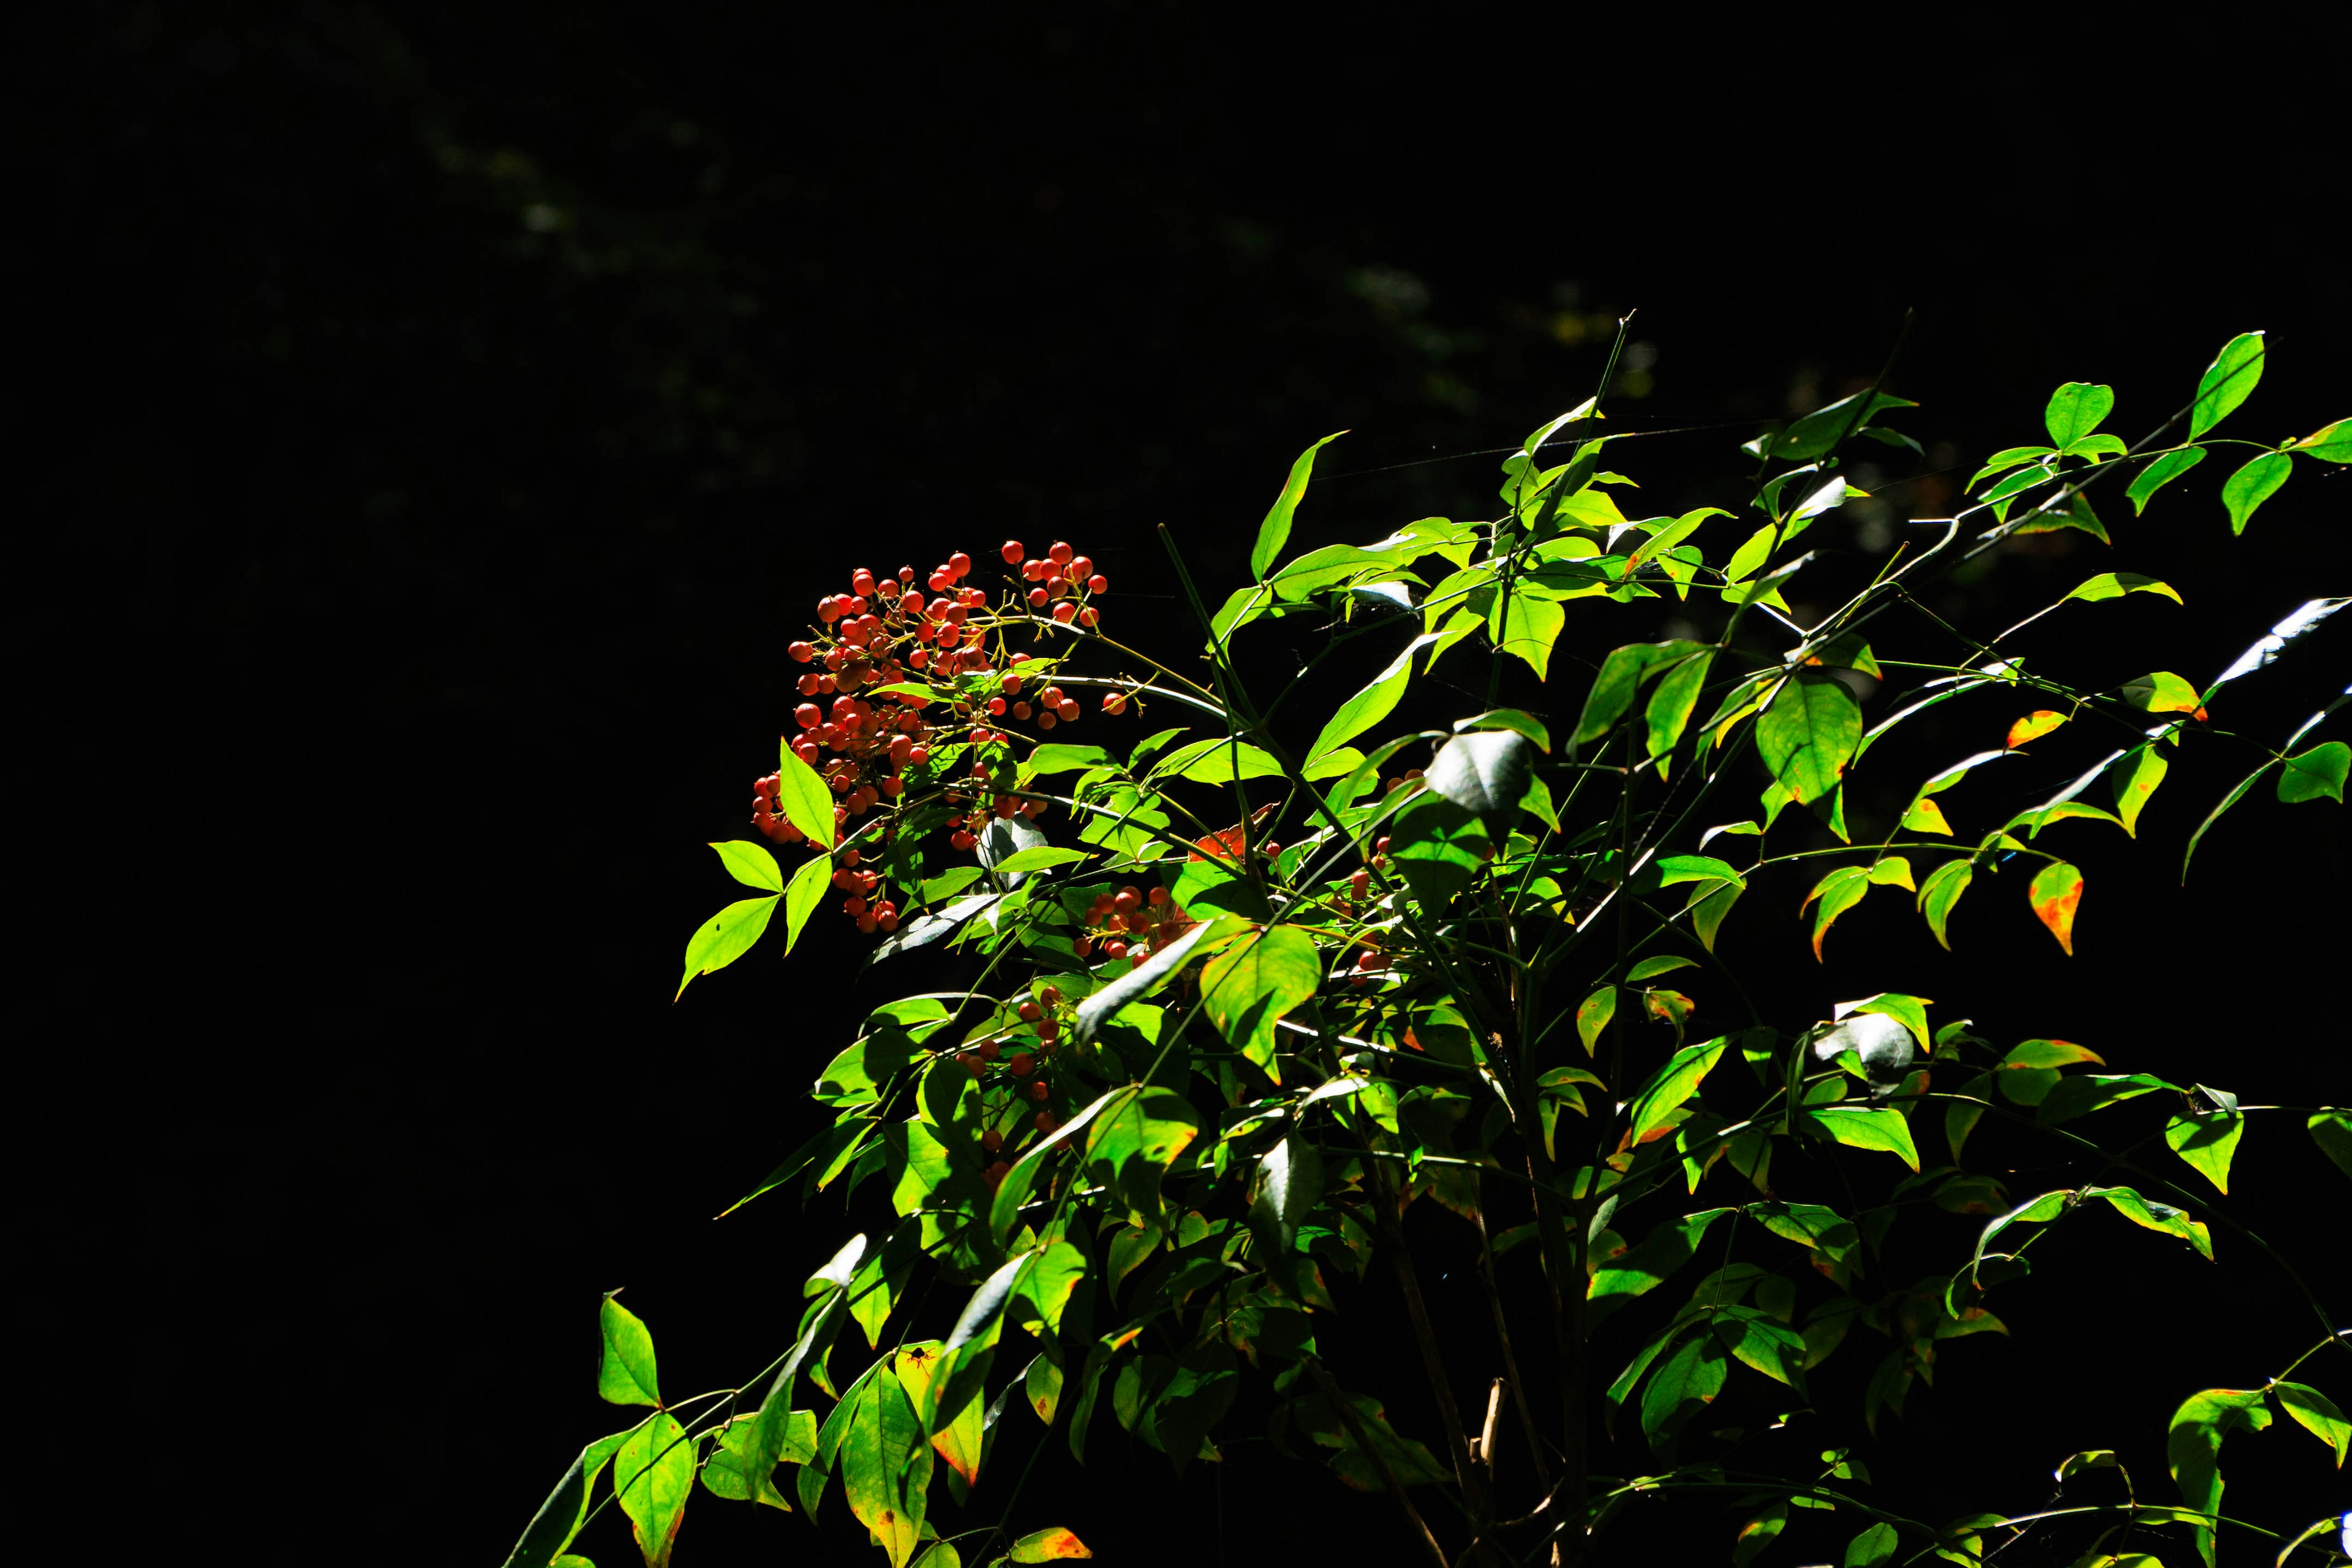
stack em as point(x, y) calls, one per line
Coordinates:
point(446, 414)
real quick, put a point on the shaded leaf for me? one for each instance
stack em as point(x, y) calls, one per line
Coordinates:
point(2193, 1448)
point(1620, 678)
point(1808, 733)
point(1875, 1545)
point(1593, 1016)
point(2316, 774)
point(559, 1519)
point(1838, 892)
point(2162, 693)
point(1254, 984)
point(2331, 1128)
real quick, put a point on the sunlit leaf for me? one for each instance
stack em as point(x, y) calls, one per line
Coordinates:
point(1808, 733)
point(1370, 706)
point(2134, 778)
point(1671, 704)
point(1593, 1016)
point(625, 1376)
point(2253, 484)
point(1254, 984)
point(1166, 960)
point(2207, 1140)
point(731, 1471)
point(1273, 532)
point(1486, 774)
point(2162, 472)
point(1053, 1545)
point(559, 1519)
point(1838, 892)
point(2332, 442)
point(886, 1465)
point(726, 937)
point(1036, 857)
point(2228, 382)
point(2076, 409)
point(2331, 1128)
point(1926, 817)
point(2115, 584)
point(1874, 1546)
point(2317, 1414)
point(1642, 1269)
point(2316, 774)
point(2193, 1448)
point(1757, 1532)
point(652, 1476)
point(752, 865)
point(2056, 893)
point(2032, 727)
point(1531, 622)
point(1860, 1127)
point(1673, 1084)
point(1621, 676)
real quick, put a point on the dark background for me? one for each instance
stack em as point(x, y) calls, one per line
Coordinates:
point(446, 416)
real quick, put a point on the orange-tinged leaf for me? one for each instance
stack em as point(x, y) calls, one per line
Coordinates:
point(2032, 727)
point(2056, 892)
point(1047, 1546)
point(1926, 816)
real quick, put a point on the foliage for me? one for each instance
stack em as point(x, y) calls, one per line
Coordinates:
point(1266, 996)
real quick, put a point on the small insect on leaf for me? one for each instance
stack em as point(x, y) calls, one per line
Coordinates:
point(2056, 893)
point(2032, 727)
point(2316, 774)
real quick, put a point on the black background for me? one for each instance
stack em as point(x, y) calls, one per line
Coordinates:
point(447, 415)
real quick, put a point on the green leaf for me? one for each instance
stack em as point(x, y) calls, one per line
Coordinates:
point(1531, 623)
point(2134, 778)
point(2331, 1128)
point(1274, 532)
point(1133, 1142)
point(559, 1519)
point(732, 1472)
point(1757, 1533)
point(1839, 891)
point(652, 1476)
point(2317, 1414)
point(1642, 1269)
point(2251, 485)
point(2228, 382)
point(1620, 677)
point(2076, 409)
point(752, 865)
point(1254, 984)
point(2056, 893)
point(886, 1464)
point(1059, 758)
point(1859, 1127)
point(2115, 584)
point(1672, 703)
point(1289, 1181)
point(1593, 1016)
point(1808, 733)
point(1816, 433)
point(808, 804)
point(1877, 1544)
point(625, 1376)
point(2316, 774)
point(2160, 692)
point(1370, 706)
point(1673, 1084)
point(2161, 473)
point(2331, 442)
point(1166, 960)
point(1757, 1340)
point(2207, 1140)
point(1053, 1545)
point(1217, 762)
point(2193, 1448)
point(1684, 1385)
point(1939, 892)
point(1036, 858)
point(808, 888)
point(1439, 849)
point(726, 937)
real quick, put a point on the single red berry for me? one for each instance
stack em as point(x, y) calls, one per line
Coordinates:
point(1157, 896)
point(1021, 1064)
point(1038, 1089)
point(920, 755)
point(989, 1051)
point(990, 1142)
point(1048, 720)
point(1044, 1121)
point(1048, 1030)
point(996, 705)
point(1359, 883)
point(1038, 596)
point(1061, 554)
point(1380, 845)
point(1097, 584)
point(1089, 616)
point(1051, 996)
point(996, 1173)
point(1083, 946)
point(1114, 949)
point(868, 925)
point(1114, 701)
point(801, 652)
point(1066, 611)
point(1069, 710)
point(1031, 1012)
point(852, 905)
point(1079, 566)
point(1020, 710)
point(861, 581)
point(1011, 683)
point(1011, 553)
point(808, 716)
point(1128, 900)
point(960, 564)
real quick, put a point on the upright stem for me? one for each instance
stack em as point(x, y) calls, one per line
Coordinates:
point(1377, 1456)
point(1510, 1361)
point(1433, 1359)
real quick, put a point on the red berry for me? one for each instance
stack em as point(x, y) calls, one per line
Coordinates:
point(1380, 845)
point(1359, 883)
point(960, 564)
point(861, 581)
point(1031, 1012)
point(1048, 1030)
point(1023, 1064)
point(1114, 949)
point(1038, 596)
point(1083, 946)
point(1061, 554)
point(852, 905)
point(1114, 701)
point(989, 1051)
point(1069, 710)
point(1079, 566)
point(1051, 996)
point(808, 716)
point(1037, 1090)
point(1011, 553)
point(1020, 710)
point(1047, 721)
point(991, 1140)
point(1097, 584)
point(1157, 896)
point(1089, 616)
point(1011, 683)
point(920, 755)
point(801, 652)
point(996, 705)
point(1065, 612)
point(1044, 1121)
point(1128, 900)
point(995, 1175)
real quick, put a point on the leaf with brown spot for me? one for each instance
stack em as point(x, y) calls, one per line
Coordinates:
point(2135, 779)
point(2056, 893)
point(1053, 1545)
point(2032, 727)
point(1926, 816)
point(1593, 1016)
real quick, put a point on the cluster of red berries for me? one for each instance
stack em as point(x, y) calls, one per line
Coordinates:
point(888, 632)
point(1023, 1071)
point(1130, 923)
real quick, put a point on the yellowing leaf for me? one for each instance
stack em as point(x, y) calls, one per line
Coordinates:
point(2207, 1142)
point(1893, 871)
point(2056, 893)
point(1053, 1545)
point(1926, 816)
point(2032, 727)
point(2162, 692)
point(1839, 891)
point(2135, 779)
point(2115, 584)
point(1593, 1016)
